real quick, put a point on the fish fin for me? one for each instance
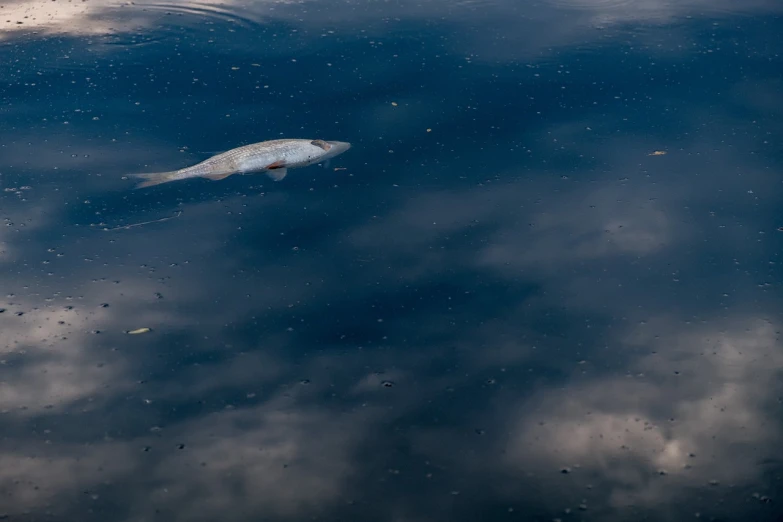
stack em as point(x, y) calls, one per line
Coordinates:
point(276, 170)
point(154, 178)
point(218, 175)
point(277, 174)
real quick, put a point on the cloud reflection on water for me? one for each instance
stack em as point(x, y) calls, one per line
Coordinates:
point(692, 412)
point(496, 332)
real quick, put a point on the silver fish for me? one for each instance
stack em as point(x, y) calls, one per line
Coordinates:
point(273, 157)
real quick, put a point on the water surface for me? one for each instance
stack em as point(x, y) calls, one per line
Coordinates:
point(544, 283)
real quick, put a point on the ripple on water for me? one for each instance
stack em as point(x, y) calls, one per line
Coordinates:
point(210, 12)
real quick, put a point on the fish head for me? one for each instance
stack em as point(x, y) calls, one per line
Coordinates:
point(331, 148)
point(308, 152)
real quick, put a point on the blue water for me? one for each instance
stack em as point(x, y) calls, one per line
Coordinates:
point(543, 284)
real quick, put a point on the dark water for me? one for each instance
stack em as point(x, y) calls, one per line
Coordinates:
point(544, 284)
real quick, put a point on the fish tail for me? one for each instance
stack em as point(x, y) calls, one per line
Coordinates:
point(154, 178)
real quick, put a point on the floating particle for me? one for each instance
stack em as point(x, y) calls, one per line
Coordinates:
point(657, 153)
point(139, 331)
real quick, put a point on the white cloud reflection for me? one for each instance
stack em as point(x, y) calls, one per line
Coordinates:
point(51, 17)
point(283, 460)
point(36, 477)
point(657, 431)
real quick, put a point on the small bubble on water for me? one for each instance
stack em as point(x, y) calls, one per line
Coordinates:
point(387, 384)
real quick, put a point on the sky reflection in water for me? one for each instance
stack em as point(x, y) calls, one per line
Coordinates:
point(501, 303)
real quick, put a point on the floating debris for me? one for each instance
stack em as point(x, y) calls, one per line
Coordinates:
point(657, 153)
point(138, 331)
point(178, 214)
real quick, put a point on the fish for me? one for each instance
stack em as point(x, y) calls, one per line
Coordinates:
point(273, 157)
